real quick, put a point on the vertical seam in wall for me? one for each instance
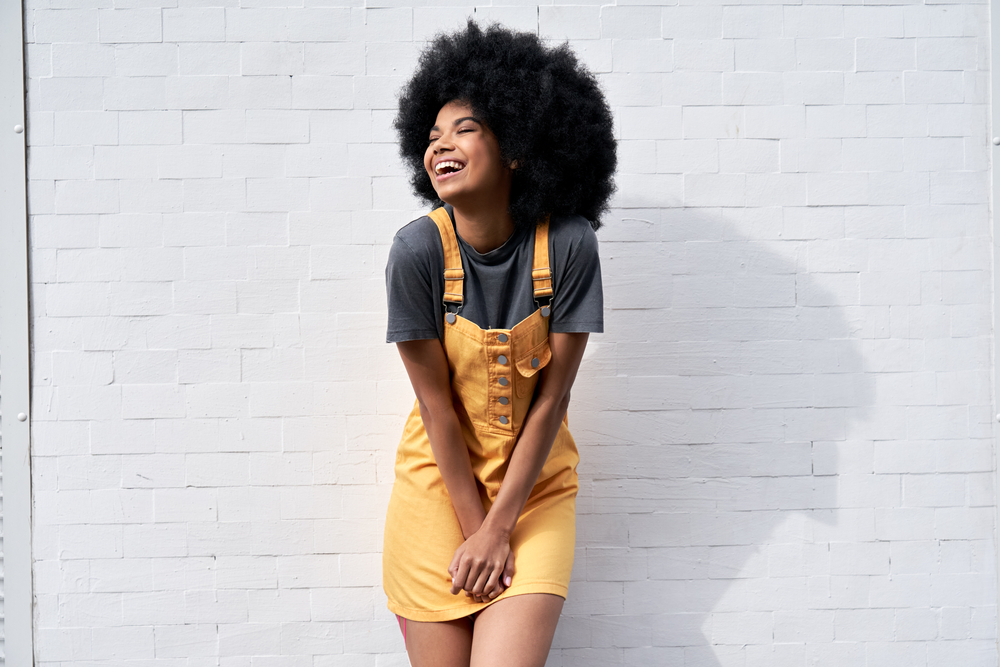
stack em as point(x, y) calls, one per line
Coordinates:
point(14, 342)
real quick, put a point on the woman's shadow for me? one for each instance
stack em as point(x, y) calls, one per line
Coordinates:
point(712, 418)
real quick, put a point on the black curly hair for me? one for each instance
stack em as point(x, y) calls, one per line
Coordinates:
point(546, 110)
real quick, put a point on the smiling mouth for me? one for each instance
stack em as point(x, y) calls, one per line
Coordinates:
point(448, 167)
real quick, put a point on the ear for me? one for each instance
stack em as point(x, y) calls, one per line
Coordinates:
point(513, 164)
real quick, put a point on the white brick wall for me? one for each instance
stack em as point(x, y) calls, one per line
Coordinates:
point(786, 430)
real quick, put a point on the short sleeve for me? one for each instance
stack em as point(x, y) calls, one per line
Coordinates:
point(410, 290)
point(578, 301)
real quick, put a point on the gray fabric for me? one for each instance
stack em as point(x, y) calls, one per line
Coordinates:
point(498, 290)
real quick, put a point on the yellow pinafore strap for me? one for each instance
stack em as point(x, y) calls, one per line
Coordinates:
point(454, 275)
point(541, 274)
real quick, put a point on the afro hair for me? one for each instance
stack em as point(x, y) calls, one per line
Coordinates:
point(546, 110)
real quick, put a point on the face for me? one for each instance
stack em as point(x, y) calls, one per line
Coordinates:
point(463, 159)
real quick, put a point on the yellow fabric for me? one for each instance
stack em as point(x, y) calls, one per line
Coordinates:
point(541, 274)
point(421, 528)
point(454, 275)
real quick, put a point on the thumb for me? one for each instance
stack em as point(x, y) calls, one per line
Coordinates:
point(508, 570)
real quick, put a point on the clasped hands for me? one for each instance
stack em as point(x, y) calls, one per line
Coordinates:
point(483, 566)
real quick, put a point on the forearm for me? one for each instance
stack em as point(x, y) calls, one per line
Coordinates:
point(526, 462)
point(452, 457)
point(427, 367)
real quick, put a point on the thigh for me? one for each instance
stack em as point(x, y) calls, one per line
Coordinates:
point(445, 644)
point(516, 631)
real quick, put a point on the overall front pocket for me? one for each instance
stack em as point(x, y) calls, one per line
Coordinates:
point(528, 364)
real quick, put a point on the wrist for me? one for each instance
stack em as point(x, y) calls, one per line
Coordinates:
point(471, 525)
point(497, 524)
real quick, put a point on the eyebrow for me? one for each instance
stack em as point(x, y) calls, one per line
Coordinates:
point(463, 118)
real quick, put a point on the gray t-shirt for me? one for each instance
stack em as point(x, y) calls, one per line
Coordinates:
point(498, 289)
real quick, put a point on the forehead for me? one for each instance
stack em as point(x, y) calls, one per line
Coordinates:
point(451, 112)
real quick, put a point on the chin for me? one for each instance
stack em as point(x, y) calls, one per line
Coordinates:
point(449, 197)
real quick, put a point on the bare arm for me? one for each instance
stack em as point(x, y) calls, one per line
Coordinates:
point(478, 563)
point(427, 366)
point(539, 430)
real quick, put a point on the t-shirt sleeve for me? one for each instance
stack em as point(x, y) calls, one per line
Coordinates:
point(578, 303)
point(410, 291)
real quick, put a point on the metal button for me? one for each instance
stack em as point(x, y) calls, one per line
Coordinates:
point(450, 317)
point(503, 382)
point(546, 311)
point(502, 359)
point(502, 338)
point(504, 400)
point(534, 362)
point(503, 420)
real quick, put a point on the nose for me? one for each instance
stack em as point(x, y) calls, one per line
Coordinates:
point(444, 142)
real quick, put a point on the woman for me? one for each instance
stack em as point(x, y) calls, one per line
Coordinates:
point(491, 300)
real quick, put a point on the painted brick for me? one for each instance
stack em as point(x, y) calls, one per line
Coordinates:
point(752, 22)
point(87, 128)
point(569, 22)
point(131, 25)
point(786, 432)
point(145, 59)
point(64, 25)
point(204, 58)
point(83, 60)
point(873, 21)
point(878, 54)
point(692, 22)
point(703, 55)
point(813, 21)
point(194, 24)
point(813, 87)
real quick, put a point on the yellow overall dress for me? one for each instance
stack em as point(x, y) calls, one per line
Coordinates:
point(493, 378)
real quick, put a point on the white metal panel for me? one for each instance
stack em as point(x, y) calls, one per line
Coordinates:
point(3, 654)
point(995, 137)
point(14, 350)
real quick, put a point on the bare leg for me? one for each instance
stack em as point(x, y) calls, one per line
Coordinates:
point(516, 631)
point(445, 644)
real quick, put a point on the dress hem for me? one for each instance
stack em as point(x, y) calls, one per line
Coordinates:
point(441, 615)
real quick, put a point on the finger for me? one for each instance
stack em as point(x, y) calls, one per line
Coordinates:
point(497, 590)
point(476, 598)
point(453, 566)
point(479, 585)
point(489, 580)
point(473, 571)
point(496, 579)
point(461, 574)
point(508, 570)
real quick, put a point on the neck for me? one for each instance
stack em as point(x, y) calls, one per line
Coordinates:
point(484, 228)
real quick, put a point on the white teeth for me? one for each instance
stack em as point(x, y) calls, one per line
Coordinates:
point(441, 166)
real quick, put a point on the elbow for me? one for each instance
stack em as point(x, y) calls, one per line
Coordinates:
point(564, 403)
point(432, 411)
point(558, 403)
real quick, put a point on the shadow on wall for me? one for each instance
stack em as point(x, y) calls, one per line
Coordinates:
point(709, 417)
